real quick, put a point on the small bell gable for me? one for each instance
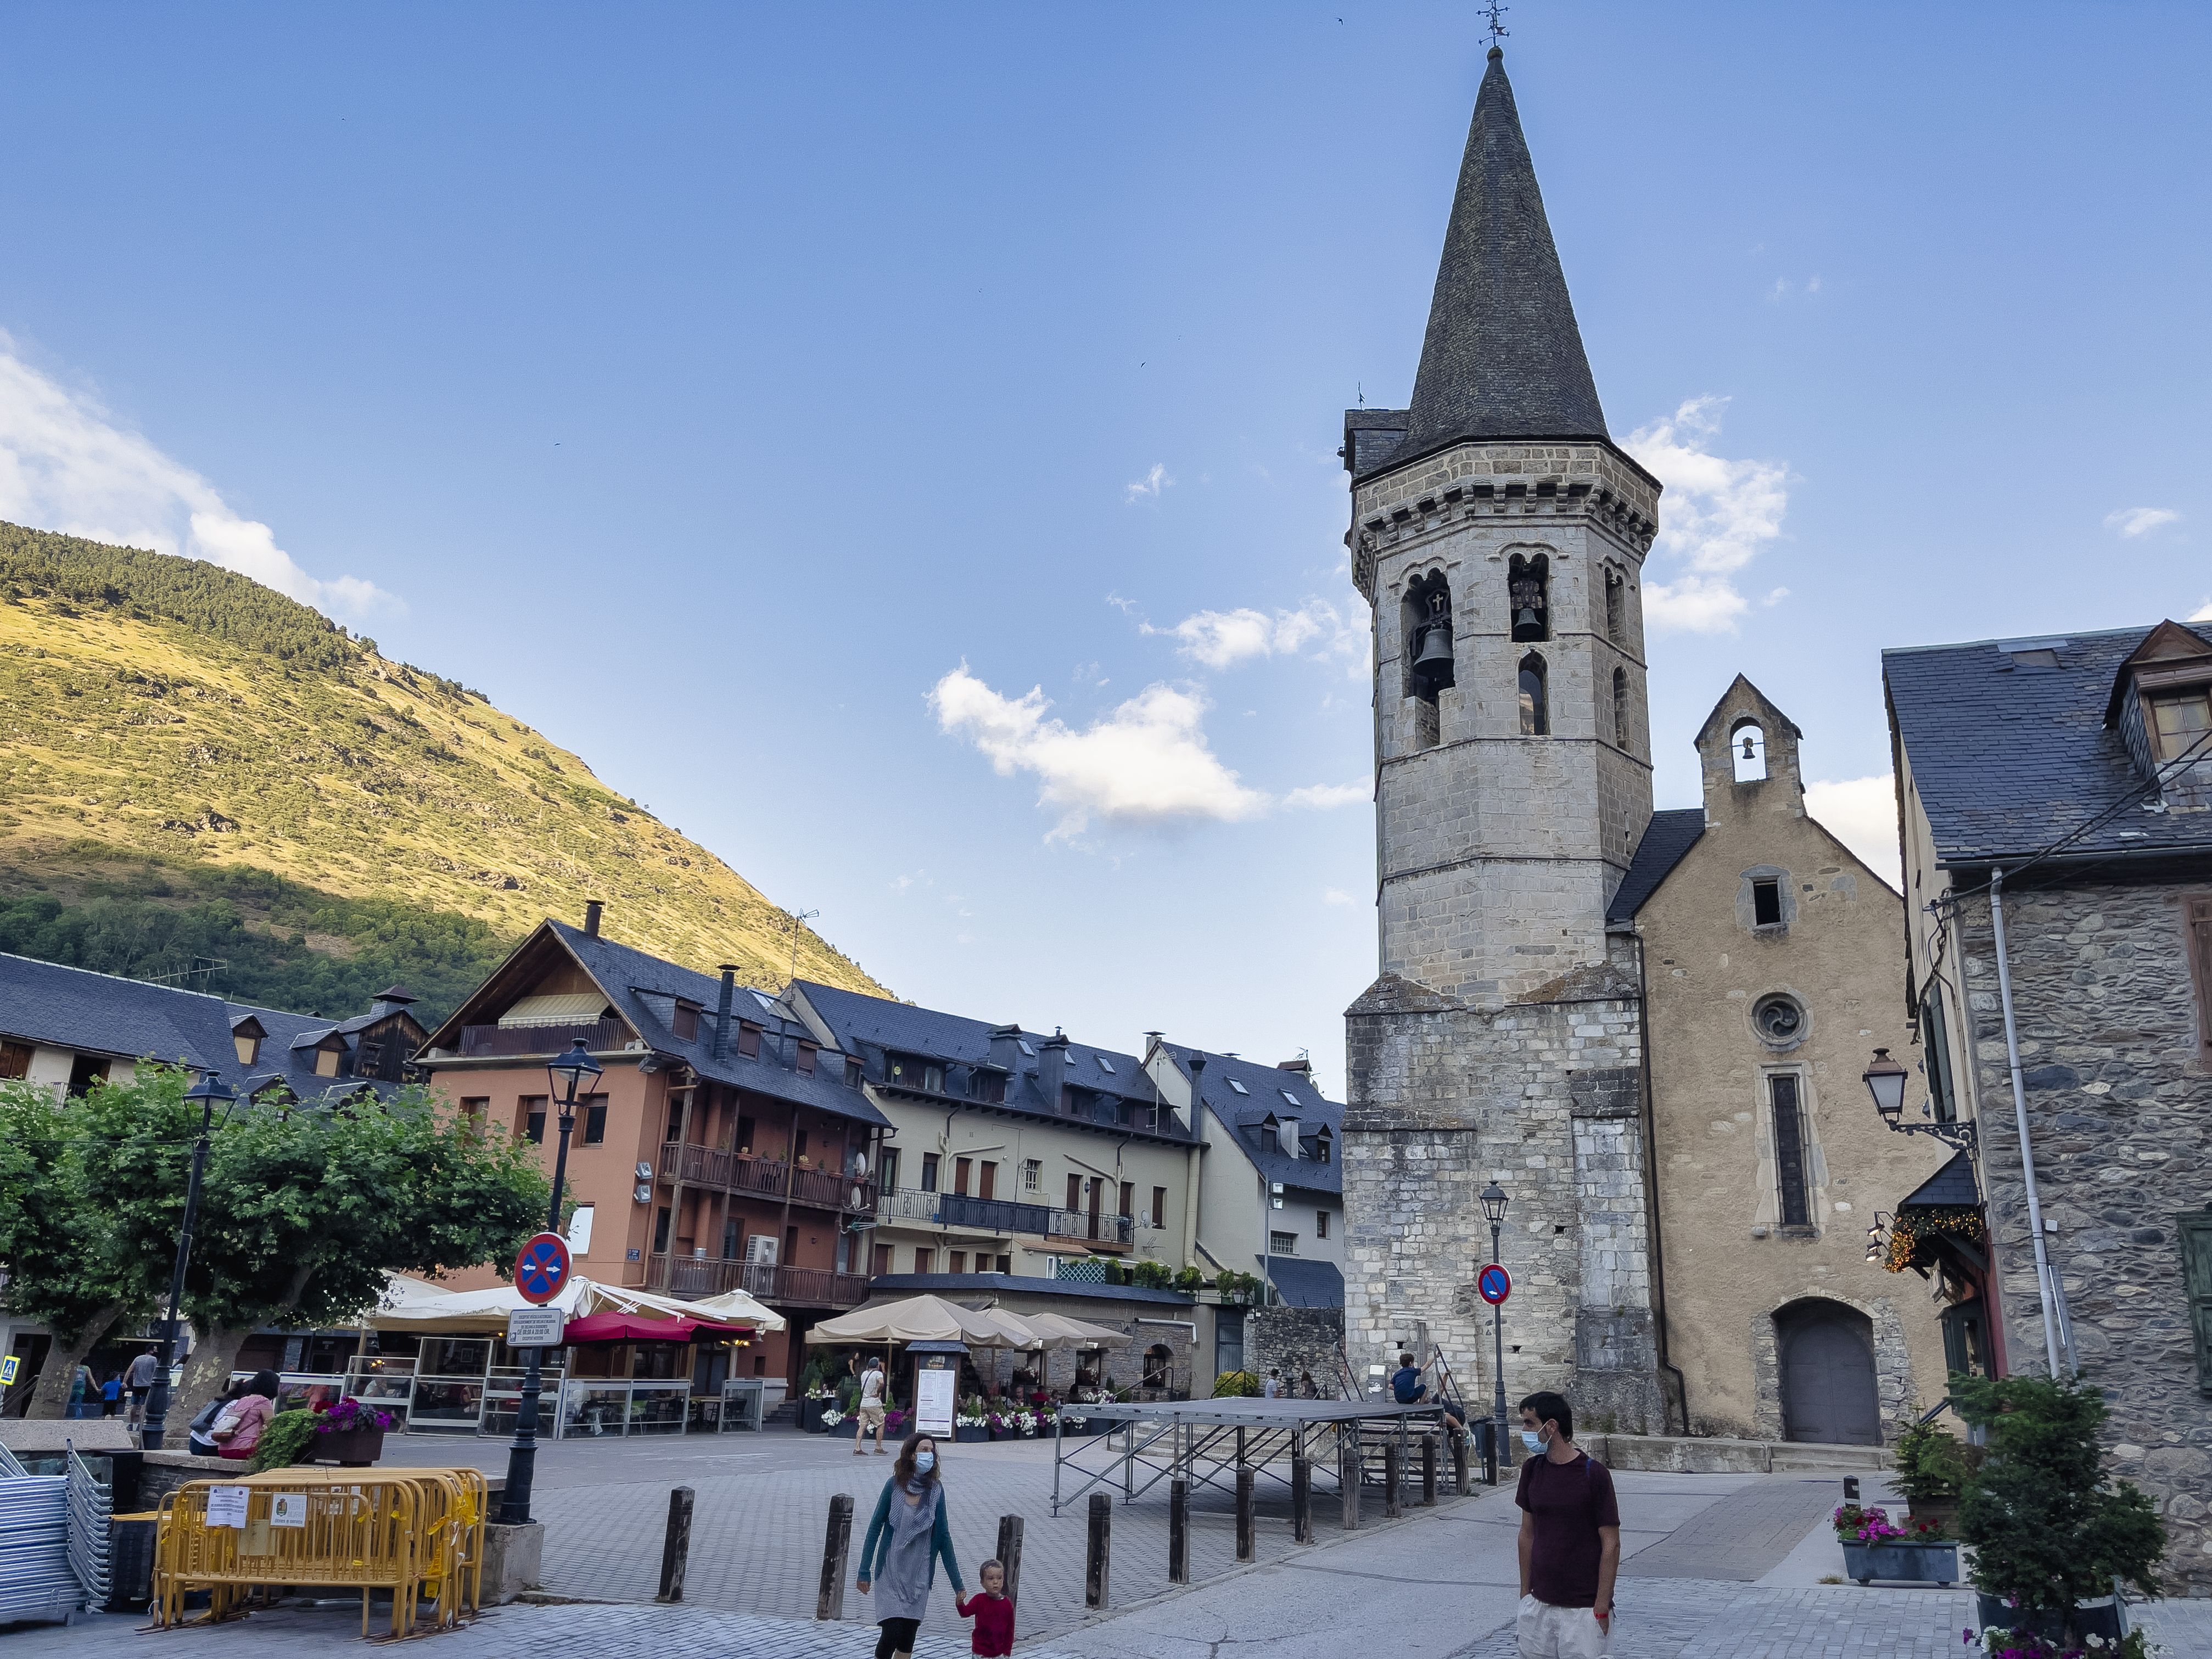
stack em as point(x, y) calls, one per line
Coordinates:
point(1747, 752)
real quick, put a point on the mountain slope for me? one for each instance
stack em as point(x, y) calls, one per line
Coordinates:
point(173, 735)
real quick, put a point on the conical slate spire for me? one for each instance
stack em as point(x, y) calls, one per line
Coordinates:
point(1503, 358)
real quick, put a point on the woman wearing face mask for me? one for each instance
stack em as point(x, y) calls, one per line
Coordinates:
point(907, 1536)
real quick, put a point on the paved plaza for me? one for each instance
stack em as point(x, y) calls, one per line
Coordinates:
point(1715, 1567)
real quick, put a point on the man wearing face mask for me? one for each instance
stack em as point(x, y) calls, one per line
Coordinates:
point(1569, 1538)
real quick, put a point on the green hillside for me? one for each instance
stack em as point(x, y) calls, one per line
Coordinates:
point(195, 768)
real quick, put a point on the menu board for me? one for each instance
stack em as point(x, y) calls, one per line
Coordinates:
point(934, 1392)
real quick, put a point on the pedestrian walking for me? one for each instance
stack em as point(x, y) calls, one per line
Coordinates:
point(83, 1387)
point(1569, 1538)
point(237, 1431)
point(910, 1525)
point(199, 1438)
point(110, 1395)
point(870, 1413)
point(992, 1613)
point(1272, 1387)
point(138, 1380)
point(1308, 1388)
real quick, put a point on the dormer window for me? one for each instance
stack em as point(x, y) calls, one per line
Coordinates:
point(1287, 1136)
point(1323, 1142)
point(247, 1035)
point(852, 1072)
point(684, 1022)
point(748, 1036)
point(2161, 704)
point(2180, 723)
point(327, 1056)
point(804, 1063)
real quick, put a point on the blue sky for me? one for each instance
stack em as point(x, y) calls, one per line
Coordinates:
point(897, 444)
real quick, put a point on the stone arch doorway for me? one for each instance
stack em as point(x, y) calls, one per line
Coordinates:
point(1828, 1393)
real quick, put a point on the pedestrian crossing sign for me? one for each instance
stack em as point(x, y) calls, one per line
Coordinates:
point(9, 1367)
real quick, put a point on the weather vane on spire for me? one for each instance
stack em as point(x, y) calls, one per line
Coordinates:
point(1498, 29)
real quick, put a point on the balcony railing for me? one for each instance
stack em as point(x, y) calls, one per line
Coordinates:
point(600, 1037)
point(764, 1177)
point(994, 1215)
point(818, 1287)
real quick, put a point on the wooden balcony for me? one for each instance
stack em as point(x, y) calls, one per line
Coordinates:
point(765, 1177)
point(808, 1287)
point(600, 1037)
point(998, 1216)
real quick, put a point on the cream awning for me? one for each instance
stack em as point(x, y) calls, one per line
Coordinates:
point(922, 1319)
point(483, 1313)
point(567, 1008)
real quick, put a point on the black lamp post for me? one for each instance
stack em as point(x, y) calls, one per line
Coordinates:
point(1885, 1080)
point(1493, 1208)
point(208, 1091)
point(568, 1073)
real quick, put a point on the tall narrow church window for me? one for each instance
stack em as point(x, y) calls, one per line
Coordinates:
point(1796, 1210)
point(1747, 750)
point(1428, 636)
point(1621, 721)
point(1528, 583)
point(1616, 606)
point(1536, 717)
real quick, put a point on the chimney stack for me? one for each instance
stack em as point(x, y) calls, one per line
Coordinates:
point(591, 908)
point(722, 1011)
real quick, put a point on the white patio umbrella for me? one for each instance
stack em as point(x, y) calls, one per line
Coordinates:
point(921, 1319)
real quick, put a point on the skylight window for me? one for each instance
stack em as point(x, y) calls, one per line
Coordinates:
point(1239, 1087)
point(1288, 1096)
point(1104, 1064)
point(1025, 1048)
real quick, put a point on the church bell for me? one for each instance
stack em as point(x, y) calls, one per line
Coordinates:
point(1527, 625)
point(1435, 652)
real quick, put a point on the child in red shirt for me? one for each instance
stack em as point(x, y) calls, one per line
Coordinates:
point(992, 1613)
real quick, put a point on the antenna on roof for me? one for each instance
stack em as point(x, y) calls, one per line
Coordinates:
point(798, 917)
point(1495, 12)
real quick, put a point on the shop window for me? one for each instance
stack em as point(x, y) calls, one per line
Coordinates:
point(1527, 585)
point(1535, 711)
point(1789, 1161)
point(595, 1119)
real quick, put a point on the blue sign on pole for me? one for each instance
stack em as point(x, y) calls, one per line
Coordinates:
point(1494, 1283)
point(542, 1269)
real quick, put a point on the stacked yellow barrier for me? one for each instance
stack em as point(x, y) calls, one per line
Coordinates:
point(418, 1533)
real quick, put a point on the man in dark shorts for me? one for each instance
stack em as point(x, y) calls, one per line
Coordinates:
point(1569, 1538)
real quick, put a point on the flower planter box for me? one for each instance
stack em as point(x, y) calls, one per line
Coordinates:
point(1922, 1563)
point(2103, 1617)
point(350, 1448)
point(967, 1436)
point(810, 1415)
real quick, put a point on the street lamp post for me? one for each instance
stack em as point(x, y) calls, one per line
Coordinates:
point(568, 1073)
point(1885, 1080)
point(1493, 1208)
point(209, 1089)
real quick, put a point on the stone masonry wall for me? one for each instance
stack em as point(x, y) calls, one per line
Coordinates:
point(2120, 1109)
point(1541, 1097)
point(1297, 1339)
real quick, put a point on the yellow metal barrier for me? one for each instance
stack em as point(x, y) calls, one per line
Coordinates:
point(418, 1533)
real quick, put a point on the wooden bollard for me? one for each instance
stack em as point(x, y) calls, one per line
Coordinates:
point(1097, 1555)
point(1010, 1556)
point(1243, 1515)
point(1459, 1464)
point(676, 1547)
point(1301, 1498)
point(829, 1600)
point(1429, 1471)
point(1394, 1472)
point(1178, 1531)
point(1347, 1480)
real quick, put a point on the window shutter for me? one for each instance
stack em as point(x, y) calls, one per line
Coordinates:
point(2200, 965)
point(2195, 1228)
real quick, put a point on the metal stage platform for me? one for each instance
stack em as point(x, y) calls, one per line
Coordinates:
point(1206, 1442)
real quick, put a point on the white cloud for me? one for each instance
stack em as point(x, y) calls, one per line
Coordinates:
point(1862, 813)
point(1146, 762)
point(2132, 521)
point(1148, 487)
point(1320, 797)
point(2203, 613)
point(1222, 639)
point(1715, 518)
point(65, 466)
point(1336, 895)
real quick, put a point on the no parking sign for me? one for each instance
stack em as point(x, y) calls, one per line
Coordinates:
point(541, 1271)
point(1494, 1283)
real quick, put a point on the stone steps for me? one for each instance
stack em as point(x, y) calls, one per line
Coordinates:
point(1697, 1454)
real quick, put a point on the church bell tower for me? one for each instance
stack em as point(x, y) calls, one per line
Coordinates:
point(1499, 534)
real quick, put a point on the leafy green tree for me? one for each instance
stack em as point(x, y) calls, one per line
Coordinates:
point(66, 1264)
point(2050, 1528)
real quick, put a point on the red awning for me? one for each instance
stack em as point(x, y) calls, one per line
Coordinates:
point(635, 1327)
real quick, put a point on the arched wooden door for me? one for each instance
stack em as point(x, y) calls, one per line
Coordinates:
point(1827, 1375)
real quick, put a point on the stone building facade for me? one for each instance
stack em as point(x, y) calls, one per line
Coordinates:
point(2032, 768)
point(1498, 533)
point(1769, 956)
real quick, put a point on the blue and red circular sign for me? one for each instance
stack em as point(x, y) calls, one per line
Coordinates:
point(541, 1272)
point(1495, 1284)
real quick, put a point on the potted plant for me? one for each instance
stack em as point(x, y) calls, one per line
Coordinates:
point(972, 1423)
point(349, 1434)
point(1189, 1280)
point(820, 1401)
point(1000, 1424)
point(1931, 1473)
point(895, 1424)
point(1875, 1547)
point(2054, 1534)
point(1152, 1275)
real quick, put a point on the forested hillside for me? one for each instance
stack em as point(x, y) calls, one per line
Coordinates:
point(193, 767)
